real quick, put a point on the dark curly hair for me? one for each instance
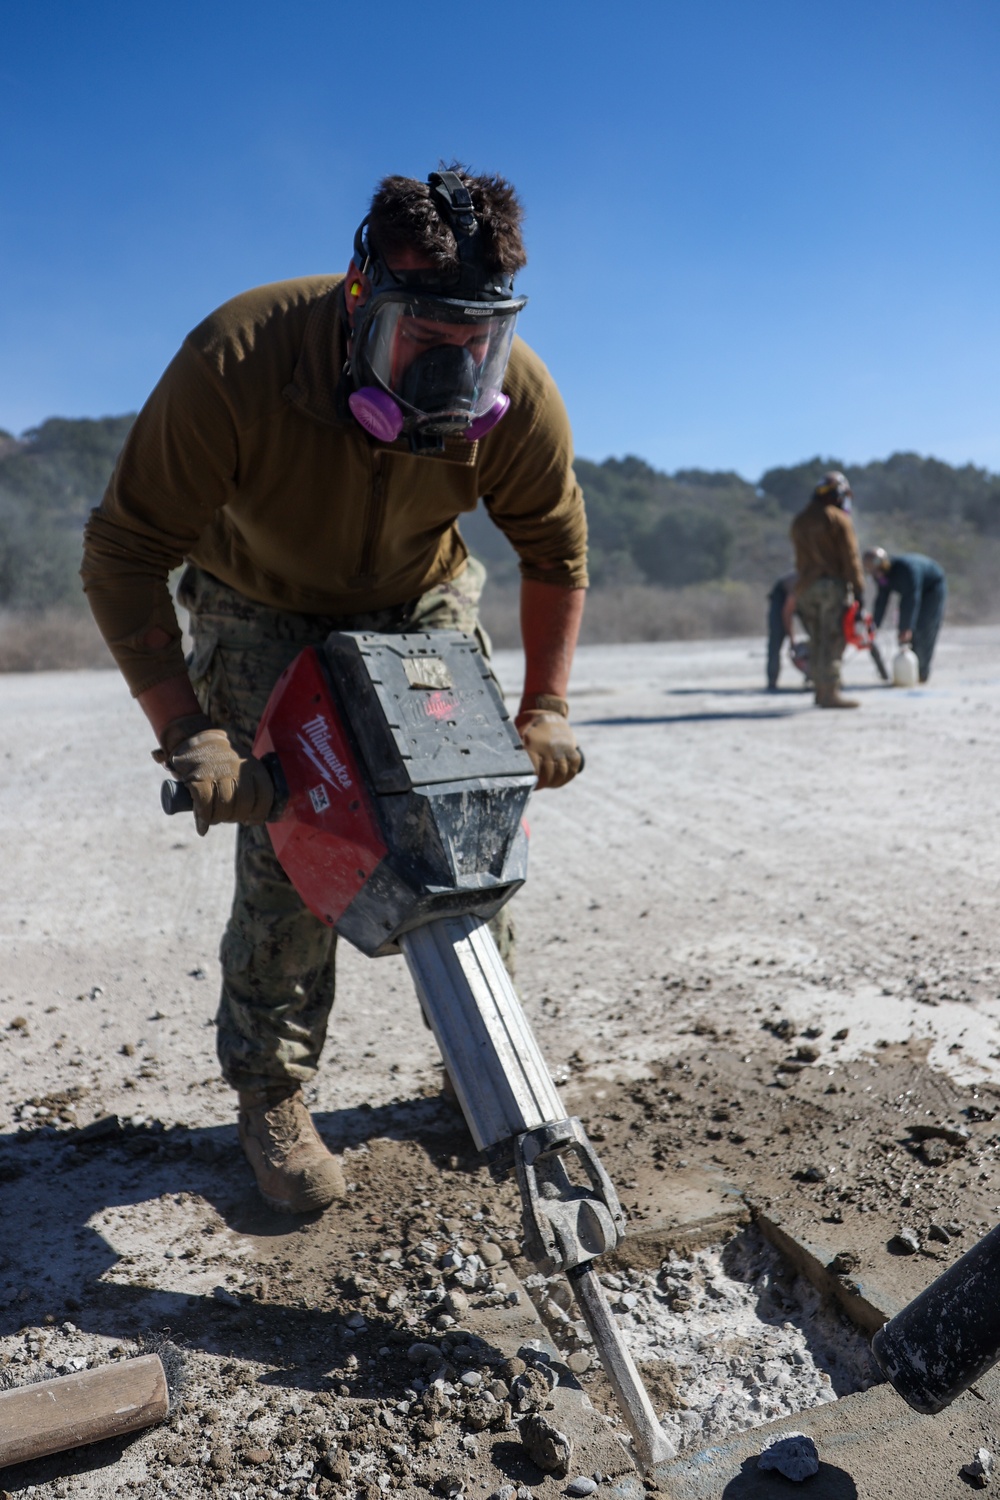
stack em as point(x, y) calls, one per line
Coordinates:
point(403, 216)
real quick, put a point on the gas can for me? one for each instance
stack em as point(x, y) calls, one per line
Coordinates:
point(905, 671)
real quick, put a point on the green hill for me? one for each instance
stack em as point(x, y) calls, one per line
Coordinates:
point(673, 538)
point(697, 527)
point(50, 478)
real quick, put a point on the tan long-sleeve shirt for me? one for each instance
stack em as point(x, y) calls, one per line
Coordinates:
point(826, 546)
point(244, 461)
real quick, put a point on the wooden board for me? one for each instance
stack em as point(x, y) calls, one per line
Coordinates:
point(73, 1409)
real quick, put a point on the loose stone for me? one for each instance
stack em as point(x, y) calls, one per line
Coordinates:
point(794, 1456)
point(581, 1486)
point(979, 1469)
point(549, 1448)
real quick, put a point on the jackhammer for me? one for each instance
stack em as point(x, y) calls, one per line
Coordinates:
point(400, 788)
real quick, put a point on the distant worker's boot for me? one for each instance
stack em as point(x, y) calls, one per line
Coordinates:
point(830, 697)
point(295, 1172)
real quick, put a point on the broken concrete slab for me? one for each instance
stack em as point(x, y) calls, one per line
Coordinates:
point(871, 1447)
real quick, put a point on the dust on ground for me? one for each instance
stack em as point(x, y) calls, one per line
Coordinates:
point(757, 943)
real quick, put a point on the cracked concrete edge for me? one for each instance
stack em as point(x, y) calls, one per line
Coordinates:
point(866, 1303)
point(872, 1441)
point(701, 1208)
point(698, 1208)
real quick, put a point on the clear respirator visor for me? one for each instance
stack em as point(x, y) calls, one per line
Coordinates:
point(441, 359)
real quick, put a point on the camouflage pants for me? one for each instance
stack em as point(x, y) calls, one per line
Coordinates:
point(278, 960)
point(821, 610)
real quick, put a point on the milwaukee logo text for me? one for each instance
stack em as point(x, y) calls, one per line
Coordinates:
point(321, 752)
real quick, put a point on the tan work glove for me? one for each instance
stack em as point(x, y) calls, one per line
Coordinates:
point(225, 787)
point(548, 737)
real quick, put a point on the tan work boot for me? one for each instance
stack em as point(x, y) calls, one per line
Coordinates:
point(295, 1172)
point(829, 697)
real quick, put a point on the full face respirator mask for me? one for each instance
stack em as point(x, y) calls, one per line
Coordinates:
point(430, 347)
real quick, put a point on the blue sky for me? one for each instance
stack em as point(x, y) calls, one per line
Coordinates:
point(758, 229)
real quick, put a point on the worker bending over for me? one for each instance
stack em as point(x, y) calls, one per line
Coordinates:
point(920, 584)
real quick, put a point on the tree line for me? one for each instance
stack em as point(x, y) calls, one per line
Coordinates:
point(670, 530)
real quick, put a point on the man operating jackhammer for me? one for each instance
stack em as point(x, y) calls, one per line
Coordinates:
point(307, 454)
point(829, 567)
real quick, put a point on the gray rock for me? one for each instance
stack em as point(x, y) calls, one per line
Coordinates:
point(545, 1445)
point(979, 1469)
point(844, 1262)
point(795, 1456)
point(581, 1486)
point(906, 1242)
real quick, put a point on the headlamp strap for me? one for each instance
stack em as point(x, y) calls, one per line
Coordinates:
point(362, 254)
point(453, 203)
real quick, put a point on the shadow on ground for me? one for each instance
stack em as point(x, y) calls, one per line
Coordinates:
point(830, 1483)
point(58, 1264)
point(632, 721)
point(795, 691)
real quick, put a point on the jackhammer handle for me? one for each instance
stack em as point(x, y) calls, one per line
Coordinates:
point(175, 798)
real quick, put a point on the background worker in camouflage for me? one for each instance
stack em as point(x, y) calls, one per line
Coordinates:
point(308, 453)
point(828, 563)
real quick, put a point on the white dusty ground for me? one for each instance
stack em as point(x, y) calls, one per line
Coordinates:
point(730, 859)
point(841, 866)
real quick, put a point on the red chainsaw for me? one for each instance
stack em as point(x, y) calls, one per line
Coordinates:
point(859, 631)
